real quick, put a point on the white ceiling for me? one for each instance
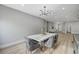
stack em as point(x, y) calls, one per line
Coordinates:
point(69, 14)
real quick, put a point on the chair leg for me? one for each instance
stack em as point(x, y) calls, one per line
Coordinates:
point(43, 47)
point(28, 52)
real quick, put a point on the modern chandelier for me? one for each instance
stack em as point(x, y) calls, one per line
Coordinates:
point(45, 11)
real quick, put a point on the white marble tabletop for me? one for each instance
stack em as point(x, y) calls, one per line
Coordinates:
point(41, 37)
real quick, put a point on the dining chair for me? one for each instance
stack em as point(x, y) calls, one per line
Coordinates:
point(43, 44)
point(32, 46)
point(49, 43)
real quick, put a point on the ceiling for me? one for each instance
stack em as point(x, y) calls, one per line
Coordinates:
point(63, 12)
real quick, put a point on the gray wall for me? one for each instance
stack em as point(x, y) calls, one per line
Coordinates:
point(14, 25)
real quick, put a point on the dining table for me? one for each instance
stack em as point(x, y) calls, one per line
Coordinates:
point(41, 37)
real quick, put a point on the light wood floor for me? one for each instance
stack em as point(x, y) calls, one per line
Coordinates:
point(64, 45)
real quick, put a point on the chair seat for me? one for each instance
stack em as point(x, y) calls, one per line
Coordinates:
point(33, 44)
point(45, 40)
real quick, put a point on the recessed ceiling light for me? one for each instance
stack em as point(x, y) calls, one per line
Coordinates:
point(63, 8)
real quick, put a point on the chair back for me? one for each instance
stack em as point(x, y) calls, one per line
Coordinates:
point(31, 44)
point(49, 43)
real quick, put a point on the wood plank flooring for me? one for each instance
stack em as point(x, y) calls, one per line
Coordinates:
point(64, 45)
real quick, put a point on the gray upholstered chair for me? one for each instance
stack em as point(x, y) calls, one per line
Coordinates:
point(31, 45)
point(49, 43)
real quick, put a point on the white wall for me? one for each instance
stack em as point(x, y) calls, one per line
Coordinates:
point(72, 27)
point(75, 27)
point(14, 25)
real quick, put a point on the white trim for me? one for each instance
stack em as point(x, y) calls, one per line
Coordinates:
point(10, 44)
point(75, 32)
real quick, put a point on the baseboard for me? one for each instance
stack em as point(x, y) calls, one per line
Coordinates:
point(75, 32)
point(11, 44)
